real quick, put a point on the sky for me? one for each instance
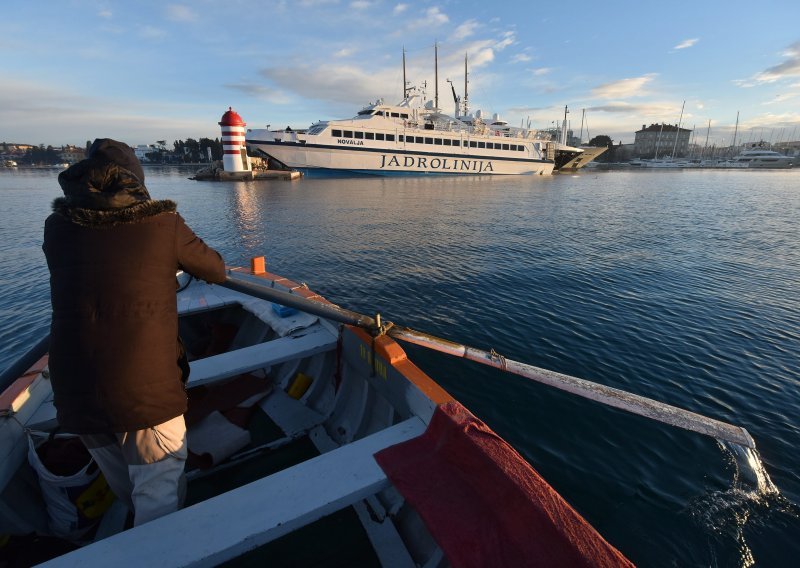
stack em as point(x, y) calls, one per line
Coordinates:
point(143, 71)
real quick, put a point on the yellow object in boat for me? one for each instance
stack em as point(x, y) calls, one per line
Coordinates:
point(299, 385)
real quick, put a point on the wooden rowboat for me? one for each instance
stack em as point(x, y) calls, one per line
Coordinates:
point(311, 442)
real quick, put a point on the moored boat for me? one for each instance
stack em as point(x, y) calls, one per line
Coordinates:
point(762, 158)
point(296, 419)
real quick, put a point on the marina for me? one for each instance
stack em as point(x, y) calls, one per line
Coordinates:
point(610, 276)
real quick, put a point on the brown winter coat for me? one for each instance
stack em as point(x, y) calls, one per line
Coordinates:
point(113, 253)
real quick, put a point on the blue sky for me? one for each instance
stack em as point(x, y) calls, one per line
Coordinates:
point(74, 70)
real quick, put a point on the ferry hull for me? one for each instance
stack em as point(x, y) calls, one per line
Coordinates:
point(389, 162)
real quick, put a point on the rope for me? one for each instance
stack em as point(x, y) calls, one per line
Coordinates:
point(495, 356)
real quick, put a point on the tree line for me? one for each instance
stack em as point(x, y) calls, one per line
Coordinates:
point(182, 151)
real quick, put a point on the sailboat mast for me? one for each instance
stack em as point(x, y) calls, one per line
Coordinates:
point(583, 116)
point(708, 131)
point(678, 131)
point(436, 75)
point(564, 127)
point(735, 131)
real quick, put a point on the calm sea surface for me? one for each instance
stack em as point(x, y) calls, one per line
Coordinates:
point(679, 286)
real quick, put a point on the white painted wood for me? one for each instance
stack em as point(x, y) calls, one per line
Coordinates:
point(386, 541)
point(303, 344)
point(291, 415)
point(204, 297)
point(236, 522)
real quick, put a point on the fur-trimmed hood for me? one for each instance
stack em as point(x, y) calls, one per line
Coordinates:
point(111, 217)
point(99, 193)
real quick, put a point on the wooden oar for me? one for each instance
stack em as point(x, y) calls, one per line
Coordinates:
point(609, 396)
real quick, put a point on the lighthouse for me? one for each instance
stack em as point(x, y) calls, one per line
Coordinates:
point(234, 150)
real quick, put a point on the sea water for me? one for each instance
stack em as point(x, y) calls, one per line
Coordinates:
point(679, 286)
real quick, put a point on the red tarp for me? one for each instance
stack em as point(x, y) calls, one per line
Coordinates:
point(484, 504)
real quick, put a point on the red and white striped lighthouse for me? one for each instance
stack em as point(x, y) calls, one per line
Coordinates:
point(233, 145)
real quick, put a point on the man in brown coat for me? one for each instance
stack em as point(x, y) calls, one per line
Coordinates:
point(115, 355)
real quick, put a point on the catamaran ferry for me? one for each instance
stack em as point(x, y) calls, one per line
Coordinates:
point(412, 137)
point(403, 139)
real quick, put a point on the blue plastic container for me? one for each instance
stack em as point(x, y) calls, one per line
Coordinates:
point(283, 311)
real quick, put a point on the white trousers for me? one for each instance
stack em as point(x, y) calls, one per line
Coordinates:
point(144, 468)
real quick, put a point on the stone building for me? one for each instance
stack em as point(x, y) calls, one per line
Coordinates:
point(658, 141)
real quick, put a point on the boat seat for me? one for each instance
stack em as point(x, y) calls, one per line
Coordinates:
point(227, 526)
point(305, 343)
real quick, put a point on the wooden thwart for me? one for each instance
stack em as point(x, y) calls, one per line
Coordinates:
point(248, 517)
point(225, 365)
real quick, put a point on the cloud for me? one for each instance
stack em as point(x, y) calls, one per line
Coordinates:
point(787, 69)
point(521, 58)
point(624, 88)
point(344, 52)
point(647, 111)
point(509, 38)
point(541, 71)
point(781, 98)
point(29, 110)
point(399, 9)
point(105, 14)
point(260, 92)
point(434, 17)
point(181, 13)
point(686, 43)
point(360, 4)
point(465, 30)
point(339, 83)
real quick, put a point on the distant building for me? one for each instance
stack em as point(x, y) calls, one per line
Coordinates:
point(72, 154)
point(658, 140)
point(142, 150)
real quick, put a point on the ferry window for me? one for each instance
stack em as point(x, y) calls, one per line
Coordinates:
point(505, 146)
point(448, 142)
point(403, 115)
point(481, 144)
point(400, 138)
point(379, 136)
point(336, 133)
point(360, 135)
point(429, 141)
point(369, 135)
point(364, 112)
point(395, 115)
point(437, 141)
point(348, 133)
point(473, 144)
point(390, 137)
point(420, 140)
point(456, 142)
point(520, 148)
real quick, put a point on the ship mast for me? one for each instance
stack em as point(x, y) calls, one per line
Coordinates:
point(436, 76)
point(466, 97)
point(405, 83)
point(735, 131)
